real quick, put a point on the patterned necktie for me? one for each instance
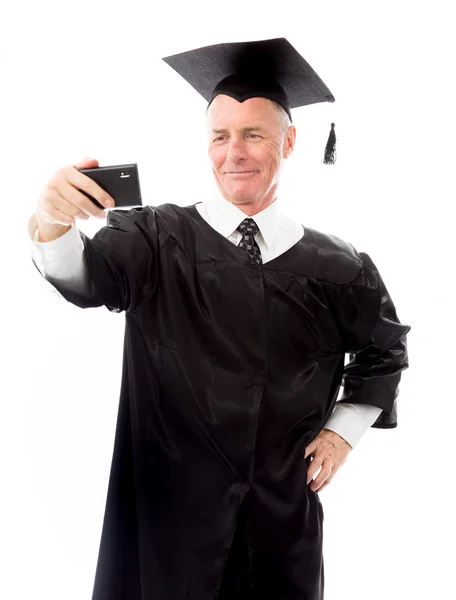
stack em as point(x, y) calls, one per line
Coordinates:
point(249, 228)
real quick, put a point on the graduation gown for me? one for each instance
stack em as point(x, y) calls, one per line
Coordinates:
point(230, 370)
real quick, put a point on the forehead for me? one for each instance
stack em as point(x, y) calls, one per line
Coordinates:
point(225, 110)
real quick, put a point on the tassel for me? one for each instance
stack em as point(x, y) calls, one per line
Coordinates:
point(330, 150)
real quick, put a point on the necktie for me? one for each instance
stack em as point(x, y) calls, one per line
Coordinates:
point(249, 228)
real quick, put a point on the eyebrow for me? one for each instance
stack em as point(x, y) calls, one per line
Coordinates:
point(244, 129)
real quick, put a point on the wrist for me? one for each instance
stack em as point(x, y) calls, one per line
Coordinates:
point(47, 232)
point(333, 438)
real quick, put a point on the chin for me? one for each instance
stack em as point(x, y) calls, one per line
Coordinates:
point(242, 195)
point(243, 190)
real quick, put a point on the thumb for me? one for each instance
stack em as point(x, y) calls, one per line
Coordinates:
point(86, 163)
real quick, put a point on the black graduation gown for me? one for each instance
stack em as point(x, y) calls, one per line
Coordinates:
point(230, 369)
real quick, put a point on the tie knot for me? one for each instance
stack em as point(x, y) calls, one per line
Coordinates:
point(248, 226)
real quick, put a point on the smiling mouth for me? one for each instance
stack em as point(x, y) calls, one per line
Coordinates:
point(240, 172)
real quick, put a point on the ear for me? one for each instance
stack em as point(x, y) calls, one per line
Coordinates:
point(290, 140)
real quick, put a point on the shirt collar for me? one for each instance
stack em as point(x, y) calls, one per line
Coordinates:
point(226, 217)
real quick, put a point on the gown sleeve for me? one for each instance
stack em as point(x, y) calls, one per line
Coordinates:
point(375, 340)
point(120, 260)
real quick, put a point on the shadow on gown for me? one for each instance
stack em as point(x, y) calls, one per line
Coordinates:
point(237, 582)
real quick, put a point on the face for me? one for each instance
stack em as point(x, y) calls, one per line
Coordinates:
point(247, 148)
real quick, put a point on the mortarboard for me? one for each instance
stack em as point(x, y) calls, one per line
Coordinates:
point(271, 69)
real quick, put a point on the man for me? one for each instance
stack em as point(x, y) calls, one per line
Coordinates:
point(237, 325)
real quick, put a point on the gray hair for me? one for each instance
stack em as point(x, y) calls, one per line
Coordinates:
point(284, 118)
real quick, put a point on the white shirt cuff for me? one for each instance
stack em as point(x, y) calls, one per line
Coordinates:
point(55, 250)
point(351, 421)
point(62, 259)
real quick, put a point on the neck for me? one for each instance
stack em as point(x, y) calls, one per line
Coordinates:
point(253, 206)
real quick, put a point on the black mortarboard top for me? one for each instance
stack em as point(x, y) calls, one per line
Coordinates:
point(268, 68)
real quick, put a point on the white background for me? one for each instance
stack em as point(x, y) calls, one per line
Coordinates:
point(86, 78)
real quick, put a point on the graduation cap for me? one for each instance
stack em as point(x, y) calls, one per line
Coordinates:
point(271, 69)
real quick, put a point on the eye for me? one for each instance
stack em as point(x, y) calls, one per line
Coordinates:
point(254, 134)
point(219, 138)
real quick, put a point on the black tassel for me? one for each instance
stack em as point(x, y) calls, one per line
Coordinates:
point(330, 150)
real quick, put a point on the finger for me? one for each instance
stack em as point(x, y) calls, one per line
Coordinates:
point(325, 472)
point(70, 209)
point(56, 216)
point(310, 448)
point(83, 206)
point(327, 482)
point(87, 163)
point(56, 201)
point(314, 467)
point(88, 185)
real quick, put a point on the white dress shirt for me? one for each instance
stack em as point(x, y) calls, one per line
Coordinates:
point(62, 260)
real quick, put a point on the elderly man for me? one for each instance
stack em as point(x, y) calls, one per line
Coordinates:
point(237, 323)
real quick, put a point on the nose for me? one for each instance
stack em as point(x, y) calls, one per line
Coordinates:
point(237, 151)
